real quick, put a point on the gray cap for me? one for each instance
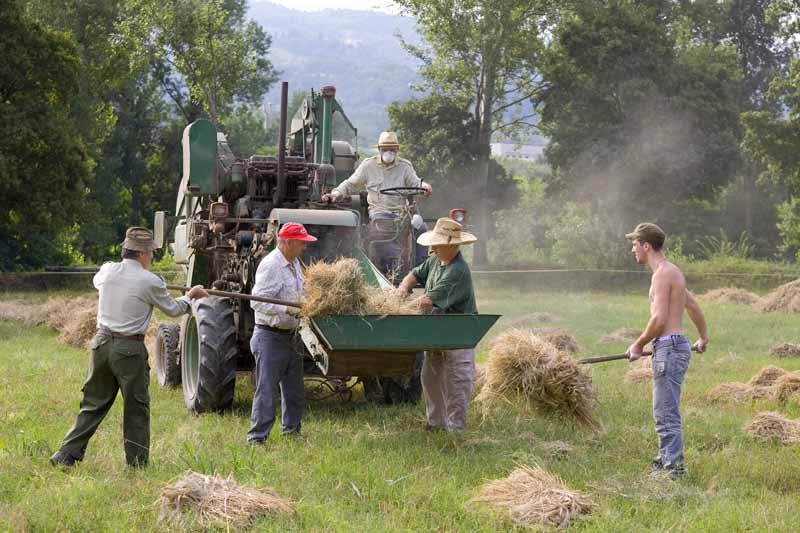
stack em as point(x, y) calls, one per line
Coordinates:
point(139, 239)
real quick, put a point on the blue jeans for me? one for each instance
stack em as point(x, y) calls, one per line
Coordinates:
point(670, 362)
point(277, 364)
point(388, 253)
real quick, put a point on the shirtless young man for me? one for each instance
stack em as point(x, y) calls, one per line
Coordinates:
point(671, 349)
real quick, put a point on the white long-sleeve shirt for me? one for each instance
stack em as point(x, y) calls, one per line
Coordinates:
point(278, 278)
point(128, 293)
point(374, 176)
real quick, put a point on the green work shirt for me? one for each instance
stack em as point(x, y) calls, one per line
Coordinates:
point(448, 286)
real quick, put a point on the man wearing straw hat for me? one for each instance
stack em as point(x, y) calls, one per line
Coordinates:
point(447, 375)
point(378, 172)
point(128, 293)
point(671, 349)
point(279, 275)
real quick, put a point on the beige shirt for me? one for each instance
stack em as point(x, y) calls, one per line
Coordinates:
point(373, 176)
point(128, 293)
point(278, 278)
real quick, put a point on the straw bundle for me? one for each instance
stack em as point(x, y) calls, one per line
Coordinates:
point(774, 426)
point(532, 496)
point(785, 349)
point(730, 295)
point(560, 338)
point(640, 373)
point(334, 289)
point(739, 392)
point(526, 370)
point(79, 327)
point(787, 386)
point(767, 376)
point(784, 298)
point(621, 335)
point(214, 499)
point(478, 379)
point(389, 302)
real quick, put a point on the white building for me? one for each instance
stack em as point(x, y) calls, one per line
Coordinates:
point(530, 152)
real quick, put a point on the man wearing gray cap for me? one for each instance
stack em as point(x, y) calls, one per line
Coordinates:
point(118, 362)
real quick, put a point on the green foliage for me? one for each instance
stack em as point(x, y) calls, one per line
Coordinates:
point(636, 122)
point(582, 239)
point(789, 227)
point(248, 132)
point(713, 247)
point(43, 156)
point(205, 50)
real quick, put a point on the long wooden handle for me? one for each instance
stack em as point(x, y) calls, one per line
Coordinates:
point(240, 296)
point(604, 358)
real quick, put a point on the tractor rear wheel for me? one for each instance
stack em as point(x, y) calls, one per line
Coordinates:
point(167, 357)
point(208, 355)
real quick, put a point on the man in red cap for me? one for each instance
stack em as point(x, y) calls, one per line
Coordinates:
point(280, 276)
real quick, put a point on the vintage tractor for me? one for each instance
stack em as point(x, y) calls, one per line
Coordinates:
point(227, 215)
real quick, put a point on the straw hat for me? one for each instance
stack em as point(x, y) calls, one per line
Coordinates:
point(388, 139)
point(447, 231)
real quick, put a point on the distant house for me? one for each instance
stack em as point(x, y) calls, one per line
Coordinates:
point(529, 152)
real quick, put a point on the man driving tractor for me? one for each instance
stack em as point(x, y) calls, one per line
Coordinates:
point(384, 171)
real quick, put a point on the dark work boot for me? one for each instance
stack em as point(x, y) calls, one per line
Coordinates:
point(63, 458)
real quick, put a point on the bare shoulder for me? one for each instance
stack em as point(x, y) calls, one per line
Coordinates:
point(670, 274)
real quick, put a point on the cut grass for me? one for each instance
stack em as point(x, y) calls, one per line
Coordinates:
point(372, 468)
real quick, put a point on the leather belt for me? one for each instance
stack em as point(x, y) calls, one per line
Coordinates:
point(108, 333)
point(274, 329)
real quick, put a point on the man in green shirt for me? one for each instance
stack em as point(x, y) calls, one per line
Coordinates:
point(446, 375)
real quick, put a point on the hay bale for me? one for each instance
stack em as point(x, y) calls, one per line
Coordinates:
point(787, 386)
point(524, 369)
point(730, 295)
point(532, 496)
point(785, 349)
point(770, 426)
point(621, 335)
point(784, 298)
point(334, 289)
point(739, 392)
point(79, 328)
point(767, 376)
point(560, 338)
point(213, 499)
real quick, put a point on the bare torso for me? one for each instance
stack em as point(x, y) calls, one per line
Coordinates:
point(668, 288)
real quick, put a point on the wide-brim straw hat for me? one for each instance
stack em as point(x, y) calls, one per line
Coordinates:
point(446, 231)
point(387, 139)
point(139, 239)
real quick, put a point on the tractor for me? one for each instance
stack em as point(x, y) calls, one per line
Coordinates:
point(227, 215)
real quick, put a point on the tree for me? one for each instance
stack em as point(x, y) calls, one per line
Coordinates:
point(204, 52)
point(638, 124)
point(43, 159)
point(483, 53)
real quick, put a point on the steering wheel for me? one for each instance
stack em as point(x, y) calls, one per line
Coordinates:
point(403, 191)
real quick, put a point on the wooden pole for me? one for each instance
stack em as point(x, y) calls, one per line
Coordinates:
point(240, 296)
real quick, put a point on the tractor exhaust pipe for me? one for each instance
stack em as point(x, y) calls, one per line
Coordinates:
point(280, 188)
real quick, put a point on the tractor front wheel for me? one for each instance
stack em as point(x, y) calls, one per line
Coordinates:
point(208, 355)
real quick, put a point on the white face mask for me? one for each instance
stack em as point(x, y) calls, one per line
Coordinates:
point(388, 157)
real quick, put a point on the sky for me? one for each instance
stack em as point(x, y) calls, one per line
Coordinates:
point(316, 5)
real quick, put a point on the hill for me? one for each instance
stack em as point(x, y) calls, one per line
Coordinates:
point(356, 51)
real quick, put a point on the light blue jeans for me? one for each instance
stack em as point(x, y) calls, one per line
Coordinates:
point(670, 362)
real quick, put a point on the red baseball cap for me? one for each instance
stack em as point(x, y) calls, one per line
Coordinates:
point(293, 230)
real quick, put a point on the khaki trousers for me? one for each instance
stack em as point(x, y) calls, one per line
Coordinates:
point(447, 384)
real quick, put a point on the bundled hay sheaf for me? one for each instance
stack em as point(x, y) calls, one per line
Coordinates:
point(770, 426)
point(787, 387)
point(730, 295)
point(784, 298)
point(340, 288)
point(621, 335)
point(641, 372)
point(785, 349)
point(739, 392)
point(560, 338)
point(532, 496)
point(767, 376)
point(215, 499)
point(526, 370)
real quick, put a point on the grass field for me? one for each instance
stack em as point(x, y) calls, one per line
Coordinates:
point(371, 468)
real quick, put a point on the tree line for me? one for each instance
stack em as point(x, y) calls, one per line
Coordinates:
point(683, 112)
